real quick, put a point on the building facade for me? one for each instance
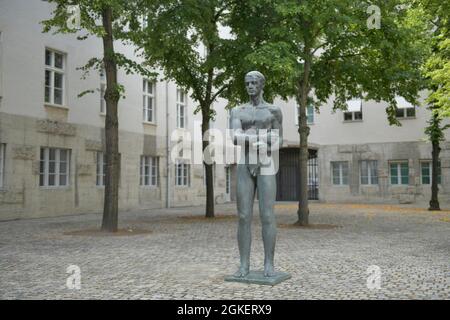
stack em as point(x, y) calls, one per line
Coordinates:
point(356, 156)
point(52, 141)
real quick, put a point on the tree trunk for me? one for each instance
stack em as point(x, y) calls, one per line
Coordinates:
point(112, 96)
point(434, 202)
point(209, 210)
point(303, 130)
point(206, 116)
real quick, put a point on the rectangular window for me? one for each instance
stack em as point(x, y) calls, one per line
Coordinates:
point(149, 170)
point(369, 172)
point(426, 170)
point(406, 112)
point(399, 172)
point(101, 169)
point(2, 164)
point(404, 109)
point(182, 173)
point(54, 167)
point(410, 112)
point(309, 114)
point(181, 109)
point(54, 77)
point(148, 100)
point(354, 111)
point(339, 172)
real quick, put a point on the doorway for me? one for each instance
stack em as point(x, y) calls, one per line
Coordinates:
point(288, 179)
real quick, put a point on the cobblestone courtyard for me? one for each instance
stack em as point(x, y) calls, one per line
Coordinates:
point(184, 256)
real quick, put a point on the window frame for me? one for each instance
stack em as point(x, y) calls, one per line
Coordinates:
point(398, 163)
point(353, 116)
point(52, 69)
point(404, 107)
point(152, 163)
point(430, 163)
point(181, 166)
point(341, 173)
point(146, 83)
point(370, 177)
point(310, 114)
point(44, 176)
point(405, 113)
point(352, 111)
point(181, 105)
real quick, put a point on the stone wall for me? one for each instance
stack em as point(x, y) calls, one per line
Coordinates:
point(413, 152)
point(22, 197)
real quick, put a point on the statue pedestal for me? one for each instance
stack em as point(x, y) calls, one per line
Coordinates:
point(257, 277)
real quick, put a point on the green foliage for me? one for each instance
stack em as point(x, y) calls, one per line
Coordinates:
point(437, 67)
point(347, 58)
point(434, 130)
point(182, 38)
point(434, 15)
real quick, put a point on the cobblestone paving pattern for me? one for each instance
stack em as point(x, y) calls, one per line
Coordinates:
point(185, 256)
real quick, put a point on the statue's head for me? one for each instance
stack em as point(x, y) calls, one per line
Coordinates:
point(254, 83)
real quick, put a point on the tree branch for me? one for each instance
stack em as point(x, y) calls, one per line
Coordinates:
point(218, 92)
point(221, 10)
point(346, 56)
point(197, 94)
point(336, 40)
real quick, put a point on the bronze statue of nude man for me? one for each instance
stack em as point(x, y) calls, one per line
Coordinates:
point(255, 126)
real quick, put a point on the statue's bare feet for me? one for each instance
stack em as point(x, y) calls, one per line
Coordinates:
point(242, 272)
point(269, 270)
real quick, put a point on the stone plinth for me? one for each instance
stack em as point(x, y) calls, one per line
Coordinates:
point(257, 277)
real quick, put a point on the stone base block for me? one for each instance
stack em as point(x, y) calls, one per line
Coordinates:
point(257, 277)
